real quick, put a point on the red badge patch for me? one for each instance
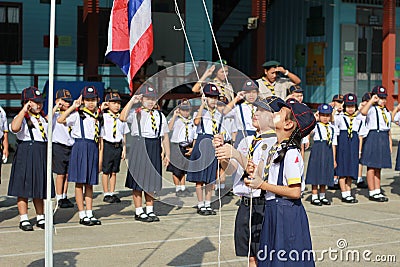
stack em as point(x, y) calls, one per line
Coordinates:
point(297, 159)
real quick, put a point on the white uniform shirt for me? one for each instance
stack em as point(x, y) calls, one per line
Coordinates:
point(293, 171)
point(24, 134)
point(179, 131)
point(61, 134)
point(73, 120)
point(145, 124)
point(371, 120)
point(358, 124)
point(397, 117)
point(260, 152)
point(207, 122)
point(3, 122)
point(247, 116)
point(107, 129)
point(332, 130)
point(281, 85)
point(228, 125)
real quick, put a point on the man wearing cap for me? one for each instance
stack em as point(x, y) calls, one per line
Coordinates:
point(295, 92)
point(274, 84)
point(62, 146)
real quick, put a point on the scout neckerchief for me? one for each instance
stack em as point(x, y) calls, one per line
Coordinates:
point(268, 85)
point(220, 85)
point(328, 133)
point(152, 117)
point(186, 122)
point(115, 117)
point(271, 153)
point(251, 107)
point(214, 121)
point(96, 123)
point(385, 118)
point(350, 125)
point(41, 128)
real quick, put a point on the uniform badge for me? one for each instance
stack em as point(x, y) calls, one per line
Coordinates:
point(37, 92)
point(248, 83)
point(151, 89)
point(90, 90)
point(264, 147)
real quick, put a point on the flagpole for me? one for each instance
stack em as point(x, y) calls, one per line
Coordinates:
point(48, 202)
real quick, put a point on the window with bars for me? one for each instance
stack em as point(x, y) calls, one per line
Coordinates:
point(10, 33)
point(369, 2)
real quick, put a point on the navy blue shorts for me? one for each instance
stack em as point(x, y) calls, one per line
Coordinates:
point(111, 157)
point(61, 156)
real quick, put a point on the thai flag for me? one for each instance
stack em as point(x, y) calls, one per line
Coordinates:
point(130, 35)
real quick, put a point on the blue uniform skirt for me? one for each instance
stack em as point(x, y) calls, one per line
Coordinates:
point(84, 162)
point(203, 163)
point(376, 150)
point(285, 227)
point(347, 155)
point(28, 171)
point(179, 163)
point(320, 169)
point(240, 136)
point(144, 160)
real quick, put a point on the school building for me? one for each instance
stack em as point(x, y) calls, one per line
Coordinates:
point(334, 46)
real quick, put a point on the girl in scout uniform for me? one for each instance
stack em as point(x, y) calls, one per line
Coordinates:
point(183, 134)
point(203, 163)
point(149, 130)
point(3, 138)
point(252, 148)
point(113, 147)
point(62, 146)
point(28, 171)
point(321, 163)
point(84, 162)
point(285, 225)
point(219, 71)
point(377, 145)
point(347, 157)
point(243, 108)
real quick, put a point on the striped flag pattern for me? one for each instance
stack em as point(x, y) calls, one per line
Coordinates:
point(130, 35)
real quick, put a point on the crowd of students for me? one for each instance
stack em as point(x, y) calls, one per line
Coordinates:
point(257, 135)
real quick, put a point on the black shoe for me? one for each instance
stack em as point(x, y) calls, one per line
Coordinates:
point(377, 198)
point(40, 223)
point(95, 221)
point(143, 218)
point(186, 193)
point(202, 211)
point(349, 199)
point(153, 217)
point(115, 199)
point(108, 199)
point(26, 227)
point(210, 211)
point(316, 202)
point(65, 203)
point(325, 201)
point(362, 185)
point(86, 221)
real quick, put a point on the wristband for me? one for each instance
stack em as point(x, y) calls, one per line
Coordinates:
point(286, 73)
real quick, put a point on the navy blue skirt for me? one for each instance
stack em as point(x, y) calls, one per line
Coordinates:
point(179, 162)
point(203, 163)
point(320, 169)
point(145, 166)
point(376, 150)
point(240, 136)
point(28, 171)
point(347, 155)
point(285, 227)
point(84, 162)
